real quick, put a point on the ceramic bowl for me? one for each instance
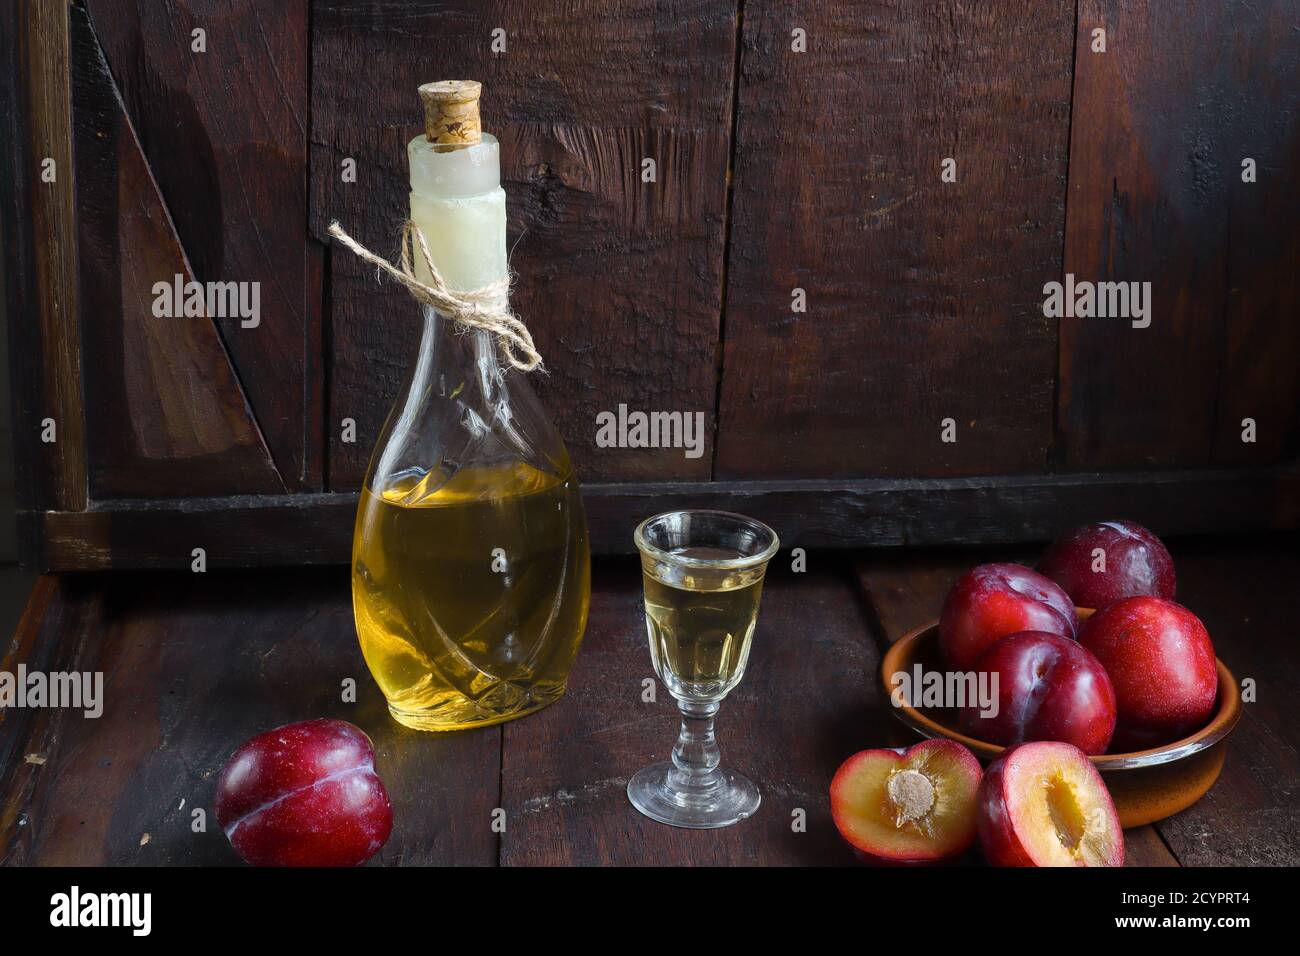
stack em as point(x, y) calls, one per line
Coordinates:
point(1147, 785)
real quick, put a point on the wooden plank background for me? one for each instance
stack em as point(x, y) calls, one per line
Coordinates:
point(39, 233)
point(924, 297)
point(1162, 122)
point(317, 529)
point(621, 281)
point(195, 663)
point(225, 135)
point(170, 379)
point(776, 170)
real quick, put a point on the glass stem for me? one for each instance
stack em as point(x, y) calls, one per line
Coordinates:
point(696, 754)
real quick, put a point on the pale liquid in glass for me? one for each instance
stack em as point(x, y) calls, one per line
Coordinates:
point(701, 622)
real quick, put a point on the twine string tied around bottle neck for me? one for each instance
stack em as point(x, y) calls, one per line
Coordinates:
point(487, 308)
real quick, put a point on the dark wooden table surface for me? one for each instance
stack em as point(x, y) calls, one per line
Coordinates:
point(194, 664)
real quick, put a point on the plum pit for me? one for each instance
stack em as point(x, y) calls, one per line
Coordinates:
point(911, 796)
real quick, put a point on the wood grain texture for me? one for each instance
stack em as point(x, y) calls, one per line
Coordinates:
point(166, 413)
point(41, 255)
point(1145, 846)
point(1246, 595)
point(23, 645)
point(18, 269)
point(807, 701)
point(924, 297)
point(1261, 342)
point(1161, 123)
point(317, 529)
point(908, 588)
point(225, 134)
point(193, 665)
point(619, 280)
point(61, 616)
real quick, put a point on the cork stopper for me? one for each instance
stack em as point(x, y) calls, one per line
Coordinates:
point(451, 112)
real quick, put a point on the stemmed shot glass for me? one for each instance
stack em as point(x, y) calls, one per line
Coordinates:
point(703, 578)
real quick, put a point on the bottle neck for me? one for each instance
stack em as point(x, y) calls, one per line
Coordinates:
point(454, 360)
point(460, 208)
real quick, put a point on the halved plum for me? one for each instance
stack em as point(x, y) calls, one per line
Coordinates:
point(1045, 804)
point(912, 807)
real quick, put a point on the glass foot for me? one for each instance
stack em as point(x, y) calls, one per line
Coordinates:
point(718, 799)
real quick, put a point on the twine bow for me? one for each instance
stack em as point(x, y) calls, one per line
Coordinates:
point(487, 308)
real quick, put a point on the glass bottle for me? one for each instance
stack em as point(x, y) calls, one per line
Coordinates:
point(470, 561)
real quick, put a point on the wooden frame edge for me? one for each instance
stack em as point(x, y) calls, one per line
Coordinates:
point(259, 530)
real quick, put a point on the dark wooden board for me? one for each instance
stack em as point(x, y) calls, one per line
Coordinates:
point(1248, 599)
point(225, 135)
point(19, 271)
point(61, 615)
point(317, 529)
point(807, 701)
point(193, 665)
point(166, 412)
point(907, 588)
point(1146, 846)
point(924, 297)
point(619, 281)
point(1261, 344)
point(38, 230)
point(918, 289)
point(1161, 122)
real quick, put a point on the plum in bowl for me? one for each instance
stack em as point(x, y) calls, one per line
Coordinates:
point(1147, 785)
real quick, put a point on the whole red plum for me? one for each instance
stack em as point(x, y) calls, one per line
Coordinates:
point(1049, 688)
point(991, 601)
point(304, 794)
point(1161, 663)
point(1100, 564)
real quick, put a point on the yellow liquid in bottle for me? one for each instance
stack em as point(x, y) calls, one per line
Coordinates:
point(471, 599)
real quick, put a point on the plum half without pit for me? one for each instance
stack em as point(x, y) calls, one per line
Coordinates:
point(1045, 804)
